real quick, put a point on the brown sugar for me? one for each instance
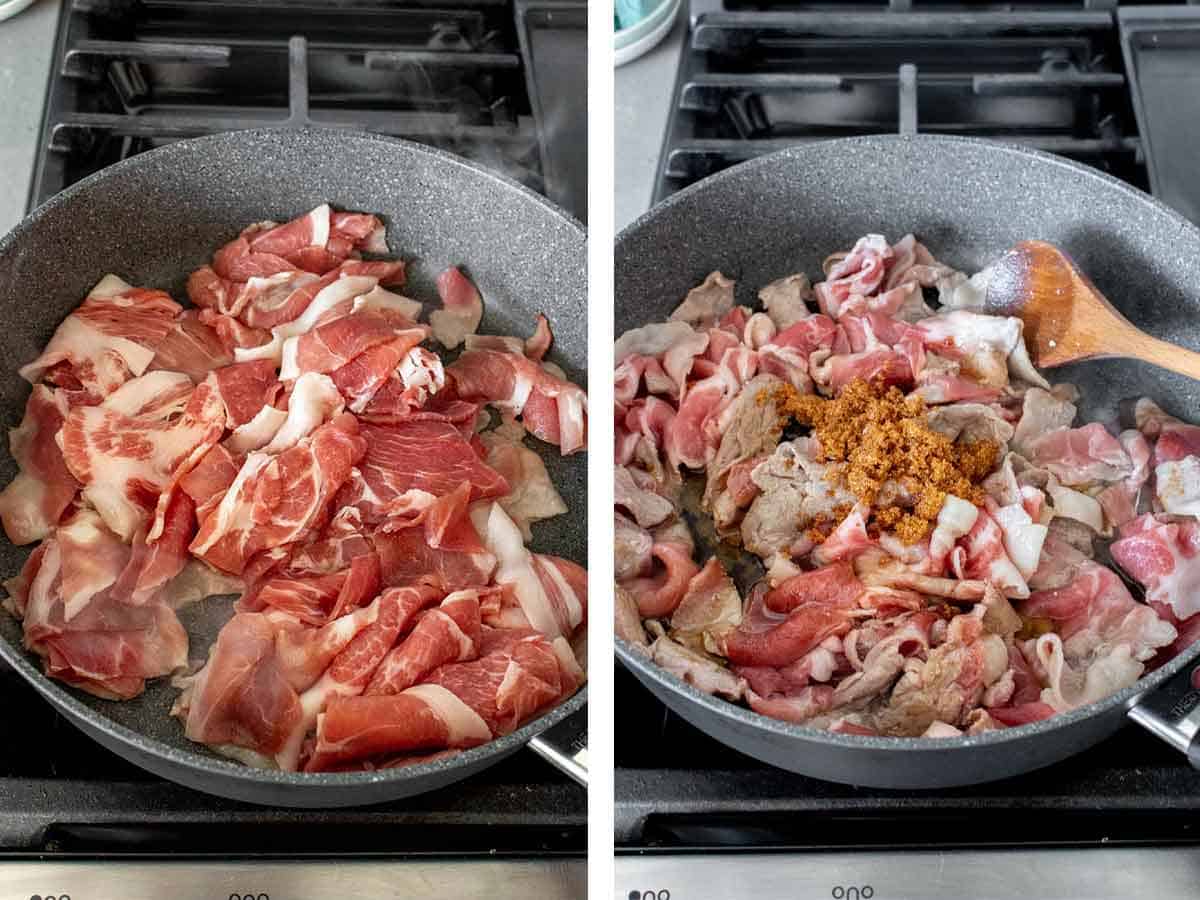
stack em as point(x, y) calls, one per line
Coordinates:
point(879, 435)
point(822, 524)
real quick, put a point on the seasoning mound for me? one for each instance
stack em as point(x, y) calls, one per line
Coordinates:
point(882, 439)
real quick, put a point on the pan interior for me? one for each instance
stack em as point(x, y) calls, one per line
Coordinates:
point(156, 217)
point(968, 201)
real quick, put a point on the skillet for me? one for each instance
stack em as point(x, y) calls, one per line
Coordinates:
point(156, 217)
point(968, 200)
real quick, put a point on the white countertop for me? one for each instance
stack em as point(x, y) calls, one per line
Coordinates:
point(642, 96)
point(26, 45)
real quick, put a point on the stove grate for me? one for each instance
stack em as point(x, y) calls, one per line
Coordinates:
point(755, 78)
point(136, 75)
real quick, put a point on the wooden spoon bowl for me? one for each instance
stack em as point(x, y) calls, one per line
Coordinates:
point(1066, 317)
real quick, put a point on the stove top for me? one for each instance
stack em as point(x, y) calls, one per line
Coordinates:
point(1111, 85)
point(488, 79)
point(1093, 81)
point(679, 790)
point(496, 81)
point(696, 819)
point(62, 794)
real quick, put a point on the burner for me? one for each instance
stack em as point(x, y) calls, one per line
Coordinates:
point(757, 77)
point(136, 75)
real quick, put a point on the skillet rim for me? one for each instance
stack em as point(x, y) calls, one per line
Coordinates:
point(733, 713)
point(208, 762)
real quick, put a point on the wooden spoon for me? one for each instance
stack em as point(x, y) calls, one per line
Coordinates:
point(1066, 318)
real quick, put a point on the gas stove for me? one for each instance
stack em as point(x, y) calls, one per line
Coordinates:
point(1105, 84)
point(487, 79)
point(695, 819)
point(495, 81)
point(73, 818)
point(1111, 85)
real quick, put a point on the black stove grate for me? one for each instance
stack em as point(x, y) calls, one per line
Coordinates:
point(131, 75)
point(757, 77)
point(61, 792)
point(679, 789)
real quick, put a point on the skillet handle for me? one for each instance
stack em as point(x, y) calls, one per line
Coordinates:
point(564, 745)
point(1172, 712)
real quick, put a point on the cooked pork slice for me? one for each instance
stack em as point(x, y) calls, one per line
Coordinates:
point(785, 300)
point(627, 621)
point(706, 302)
point(794, 490)
point(752, 427)
point(711, 608)
point(631, 548)
point(909, 638)
point(645, 506)
point(971, 422)
point(949, 683)
point(697, 669)
point(877, 569)
point(1041, 412)
point(674, 531)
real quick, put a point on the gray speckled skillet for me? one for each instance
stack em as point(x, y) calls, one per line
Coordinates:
point(153, 219)
point(968, 200)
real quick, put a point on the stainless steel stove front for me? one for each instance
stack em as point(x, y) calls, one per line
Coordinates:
point(1164, 873)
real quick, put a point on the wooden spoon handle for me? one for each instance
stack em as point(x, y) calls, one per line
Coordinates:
point(1161, 353)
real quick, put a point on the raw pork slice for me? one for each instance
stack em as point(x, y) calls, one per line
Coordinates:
point(191, 347)
point(766, 638)
point(421, 455)
point(330, 346)
point(551, 408)
point(76, 617)
point(33, 502)
point(275, 501)
point(438, 546)
point(516, 675)
point(425, 717)
point(461, 705)
point(315, 242)
point(111, 337)
point(247, 695)
point(1164, 556)
point(208, 480)
point(353, 666)
point(461, 312)
point(532, 496)
point(155, 563)
point(125, 461)
point(322, 300)
point(449, 633)
point(317, 599)
point(245, 388)
point(550, 592)
point(1096, 613)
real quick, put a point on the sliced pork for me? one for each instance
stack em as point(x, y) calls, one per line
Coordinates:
point(111, 337)
point(903, 475)
point(33, 502)
point(294, 440)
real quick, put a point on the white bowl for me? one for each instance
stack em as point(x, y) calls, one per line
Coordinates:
point(10, 8)
point(630, 43)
